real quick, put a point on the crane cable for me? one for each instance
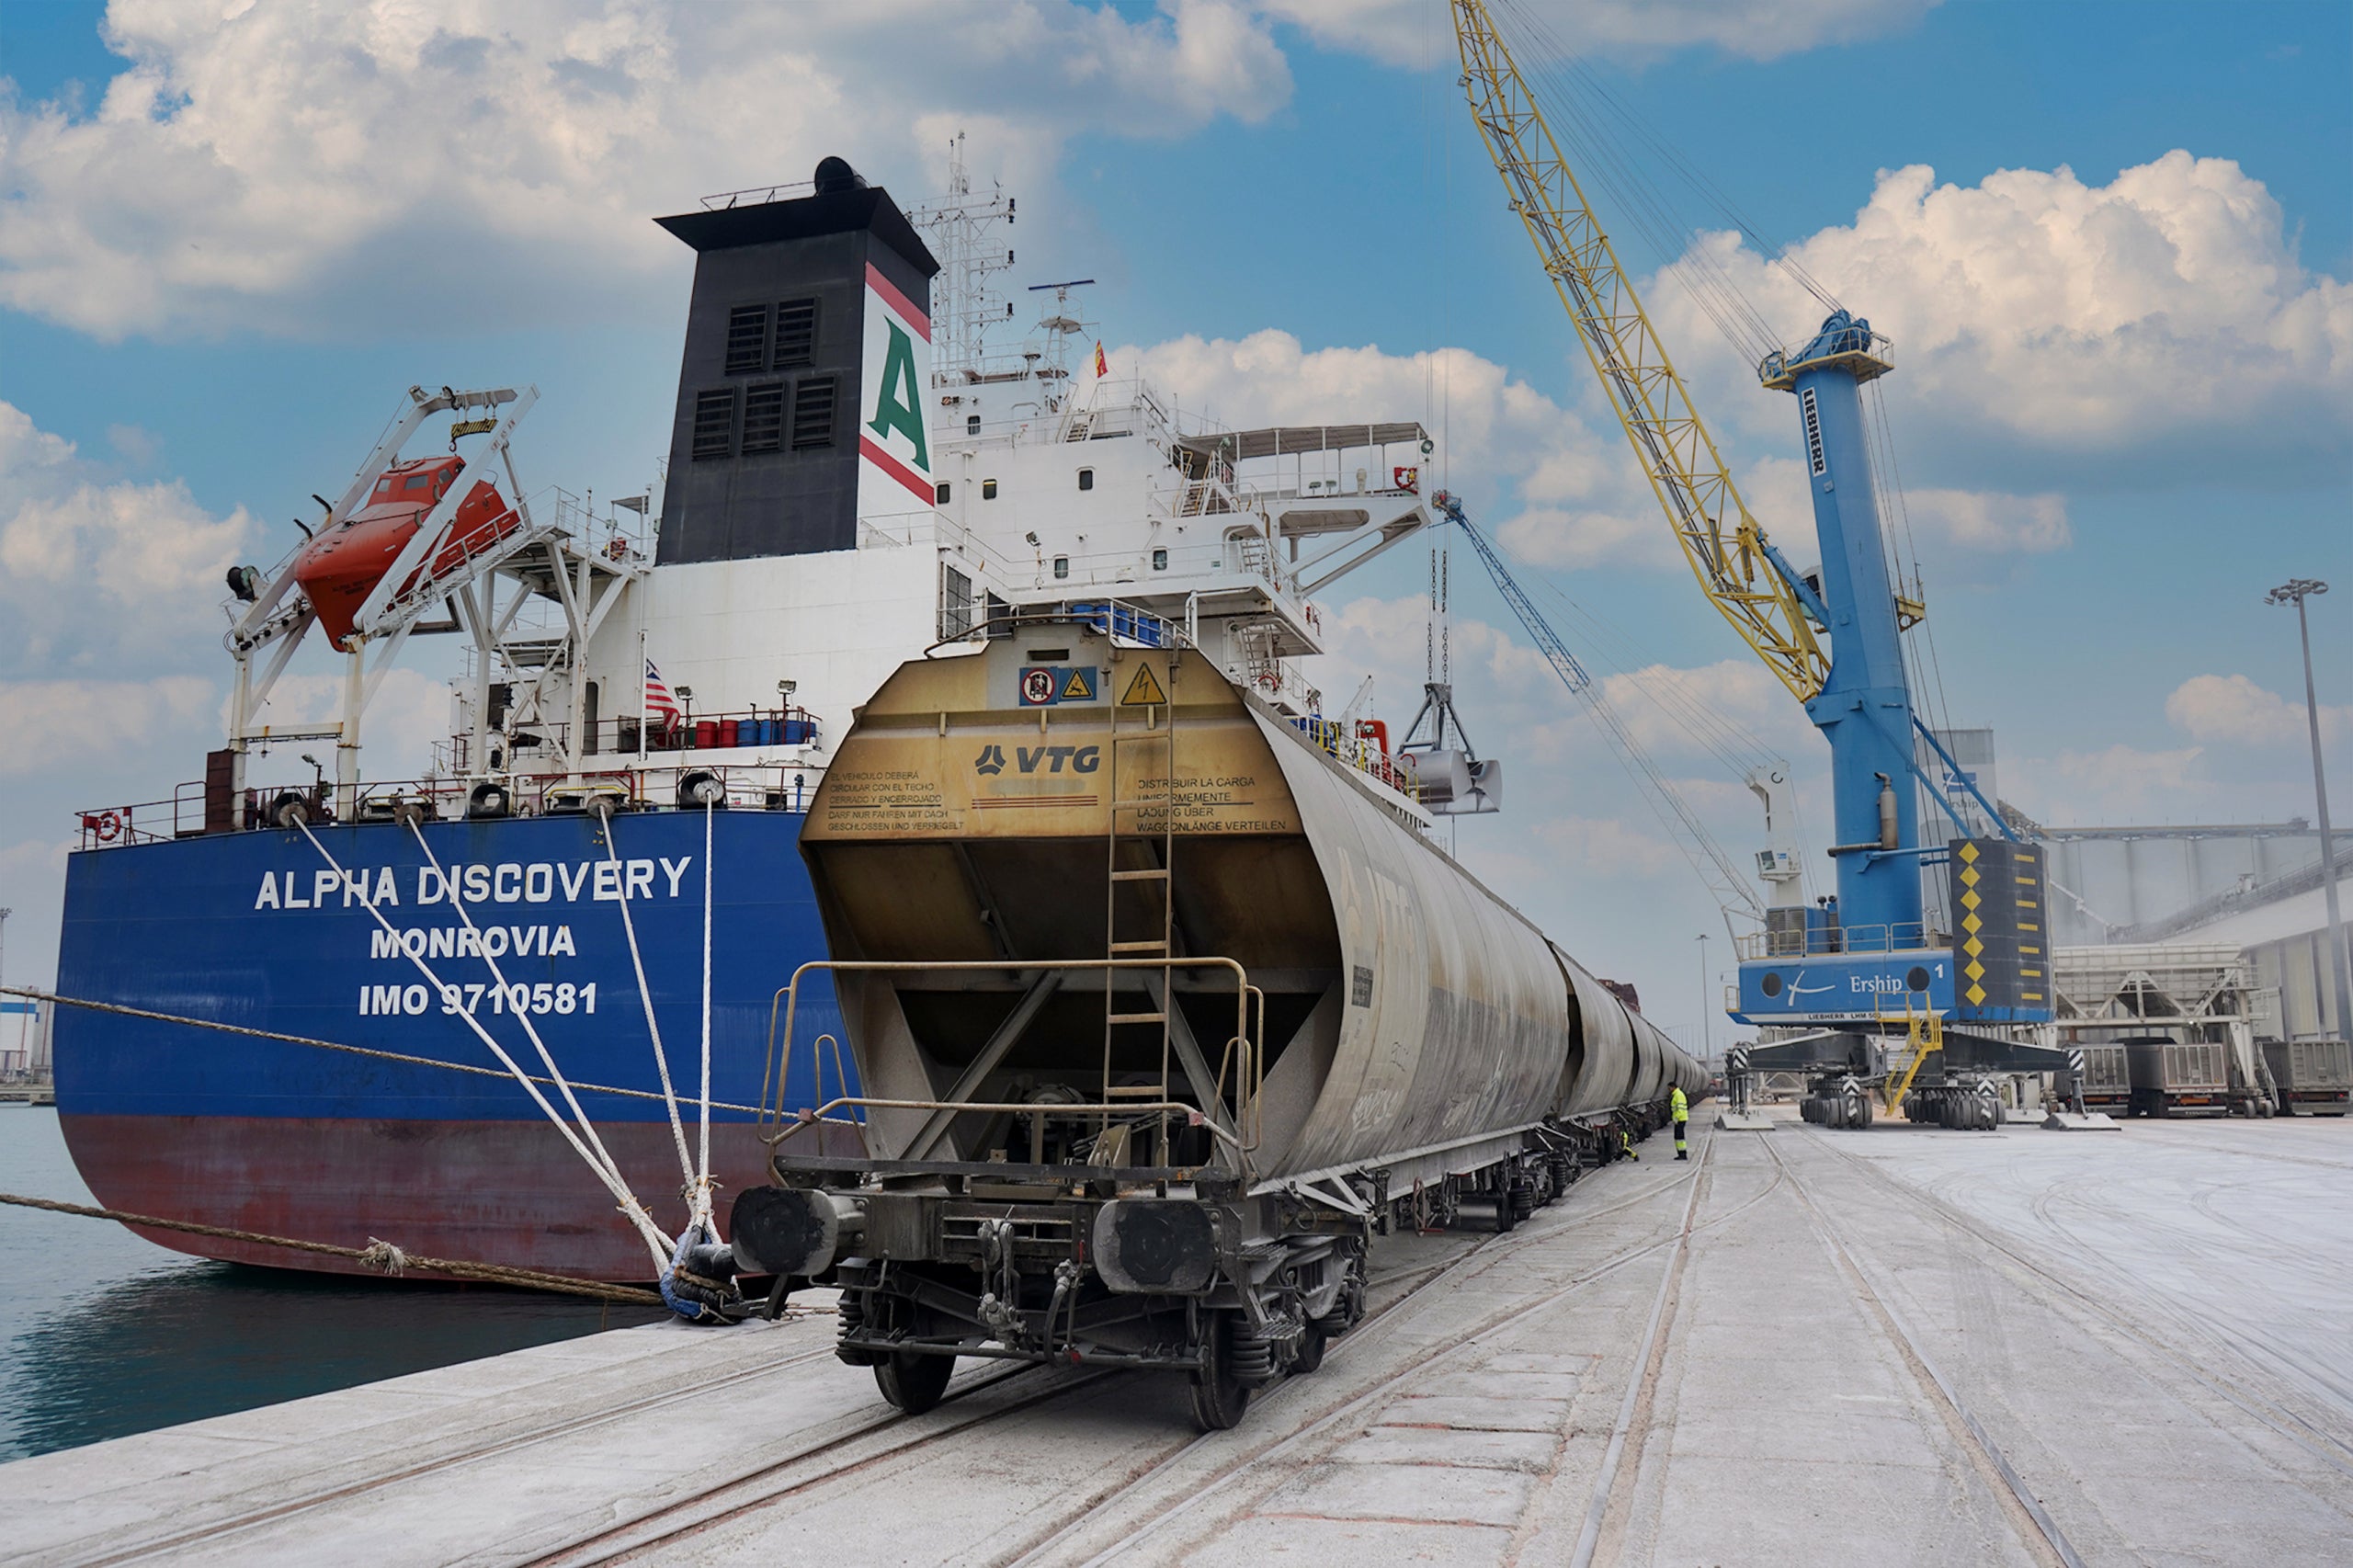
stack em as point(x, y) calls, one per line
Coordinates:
point(1562, 88)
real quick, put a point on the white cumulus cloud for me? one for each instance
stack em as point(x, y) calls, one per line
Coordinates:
point(2234, 711)
point(96, 720)
point(328, 168)
point(1982, 520)
point(87, 565)
point(2064, 316)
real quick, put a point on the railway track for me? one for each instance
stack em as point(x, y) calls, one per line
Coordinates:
point(721, 1505)
point(2036, 1529)
point(843, 1450)
point(2328, 1447)
point(853, 1455)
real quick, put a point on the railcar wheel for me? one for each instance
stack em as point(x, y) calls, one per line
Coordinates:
point(912, 1381)
point(1219, 1396)
point(1309, 1354)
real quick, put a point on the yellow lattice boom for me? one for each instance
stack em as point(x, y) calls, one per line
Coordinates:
point(1723, 544)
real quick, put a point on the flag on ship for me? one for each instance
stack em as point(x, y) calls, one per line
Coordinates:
point(659, 704)
point(1102, 366)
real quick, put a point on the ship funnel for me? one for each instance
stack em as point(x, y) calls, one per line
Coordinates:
point(801, 389)
point(834, 175)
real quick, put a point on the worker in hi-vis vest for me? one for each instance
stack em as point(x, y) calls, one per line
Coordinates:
point(1679, 1108)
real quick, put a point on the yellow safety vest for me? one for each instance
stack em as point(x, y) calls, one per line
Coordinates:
point(1678, 1107)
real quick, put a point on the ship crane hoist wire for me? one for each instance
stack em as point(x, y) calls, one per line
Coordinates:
point(1734, 893)
point(1868, 978)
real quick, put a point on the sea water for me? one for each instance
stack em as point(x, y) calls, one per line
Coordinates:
point(103, 1333)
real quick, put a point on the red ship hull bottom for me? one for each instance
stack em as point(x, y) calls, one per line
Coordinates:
point(503, 1192)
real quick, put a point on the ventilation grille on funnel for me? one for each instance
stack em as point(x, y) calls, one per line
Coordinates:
point(764, 419)
point(796, 333)
point(747, 339)
point(813, 414)
point(714, 423)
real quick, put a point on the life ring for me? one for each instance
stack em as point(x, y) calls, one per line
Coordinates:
point(1271, 681)
point(106, 827)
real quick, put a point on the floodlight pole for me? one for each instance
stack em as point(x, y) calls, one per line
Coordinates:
point(2295, 591)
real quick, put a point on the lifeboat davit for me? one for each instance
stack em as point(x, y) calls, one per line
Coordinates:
point(340, 568)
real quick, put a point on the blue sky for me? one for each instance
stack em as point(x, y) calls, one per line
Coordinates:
point(2123, 408)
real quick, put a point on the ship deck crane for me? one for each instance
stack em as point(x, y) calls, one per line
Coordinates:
point(1734, 893)
point(1877, 955)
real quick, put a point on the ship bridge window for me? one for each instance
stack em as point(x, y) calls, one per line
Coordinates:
point(988, 490)
point(1160, 560)
point(796, 333)
point(939, 493)
point(747, 339)
point(1086, 479)
point(764, 419)
point(813, 414)
point(1061, 566)
point(714, 424)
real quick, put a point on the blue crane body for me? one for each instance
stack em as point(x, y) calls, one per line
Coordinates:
point(1864, 709)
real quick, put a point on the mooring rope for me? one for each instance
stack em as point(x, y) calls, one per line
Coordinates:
point(701, 1215)
point(654, 1029)
point(57, 1000)
point(530, 1031)
point(651, 1233)
point(377, 1254)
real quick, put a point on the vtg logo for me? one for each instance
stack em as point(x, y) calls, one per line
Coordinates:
point(1082, 759)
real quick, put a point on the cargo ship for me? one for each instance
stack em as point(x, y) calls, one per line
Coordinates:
point(300, 978)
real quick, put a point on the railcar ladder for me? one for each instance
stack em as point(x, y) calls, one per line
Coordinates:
point(1141, 856)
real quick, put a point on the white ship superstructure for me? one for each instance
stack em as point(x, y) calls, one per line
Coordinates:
point(1041, 482)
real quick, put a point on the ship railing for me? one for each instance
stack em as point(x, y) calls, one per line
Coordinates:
point(728, 730)
point(1113, 617)
point(1232, 1116)
point(655, 786)
point(180, 815)
point(1362, 752)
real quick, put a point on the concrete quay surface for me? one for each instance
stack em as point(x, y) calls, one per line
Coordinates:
point(1895, 1345)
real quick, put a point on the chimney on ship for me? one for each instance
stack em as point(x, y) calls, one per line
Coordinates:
point(804, 376)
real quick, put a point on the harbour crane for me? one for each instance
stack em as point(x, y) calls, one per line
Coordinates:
point(1840, 970)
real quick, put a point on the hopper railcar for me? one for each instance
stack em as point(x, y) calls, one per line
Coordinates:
point(1160, 1011)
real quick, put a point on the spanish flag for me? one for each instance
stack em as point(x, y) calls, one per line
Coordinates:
point(1102, 366)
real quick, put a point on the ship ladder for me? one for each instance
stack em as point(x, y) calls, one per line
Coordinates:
point(1141, 838)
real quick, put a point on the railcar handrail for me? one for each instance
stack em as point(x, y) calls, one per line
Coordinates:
point(1242, 1052)
point(816, 1116)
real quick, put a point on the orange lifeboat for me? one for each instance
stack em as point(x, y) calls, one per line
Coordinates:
point(340, 568)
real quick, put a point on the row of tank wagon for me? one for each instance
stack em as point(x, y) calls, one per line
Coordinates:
point(2159, 1075)
point(1172, 1162)
point(1186, 1267)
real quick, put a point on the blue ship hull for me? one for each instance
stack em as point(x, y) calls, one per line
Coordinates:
point(255, 929)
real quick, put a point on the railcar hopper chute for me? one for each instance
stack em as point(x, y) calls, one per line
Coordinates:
point(1158, 1011)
